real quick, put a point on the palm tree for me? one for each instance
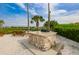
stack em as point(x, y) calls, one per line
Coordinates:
point(48, 16)
point(28, 16)
point(1, 23)
point(37, 19)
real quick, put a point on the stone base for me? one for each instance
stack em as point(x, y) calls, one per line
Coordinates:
point(43, 41)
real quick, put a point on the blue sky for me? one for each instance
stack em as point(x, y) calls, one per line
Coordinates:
point(15, 14)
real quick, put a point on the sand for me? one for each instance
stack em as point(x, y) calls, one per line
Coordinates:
point(10, 45)
point(18, 45)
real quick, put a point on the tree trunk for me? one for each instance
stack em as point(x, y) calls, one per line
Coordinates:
point(37, 25)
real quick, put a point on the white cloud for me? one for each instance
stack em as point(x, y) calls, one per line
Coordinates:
point(12, 7)
point(62, 16)
point(33, 11)
point(45, 7)
point(21, 5)
point(60, 11)
point(70, 18)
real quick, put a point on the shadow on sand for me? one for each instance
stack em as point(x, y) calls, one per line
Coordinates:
point(25, 44)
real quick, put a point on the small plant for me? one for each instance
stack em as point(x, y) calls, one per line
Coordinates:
point(2, 33)
point(1, 23)
point(52, 24)
point(20, 33)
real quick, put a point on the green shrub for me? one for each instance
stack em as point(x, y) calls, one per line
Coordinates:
point(10, 30)
point(18, 32)
point(69, 31)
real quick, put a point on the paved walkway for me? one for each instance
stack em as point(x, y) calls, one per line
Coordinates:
point(71, 47)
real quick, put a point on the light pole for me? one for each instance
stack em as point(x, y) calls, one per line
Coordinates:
point(49, 16)
point(28, 16)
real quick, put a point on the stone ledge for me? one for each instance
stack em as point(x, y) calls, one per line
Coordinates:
point(43, 41)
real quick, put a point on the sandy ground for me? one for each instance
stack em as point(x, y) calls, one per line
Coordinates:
point(10, 45)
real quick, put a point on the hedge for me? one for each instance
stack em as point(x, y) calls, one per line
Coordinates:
point(72, 34)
